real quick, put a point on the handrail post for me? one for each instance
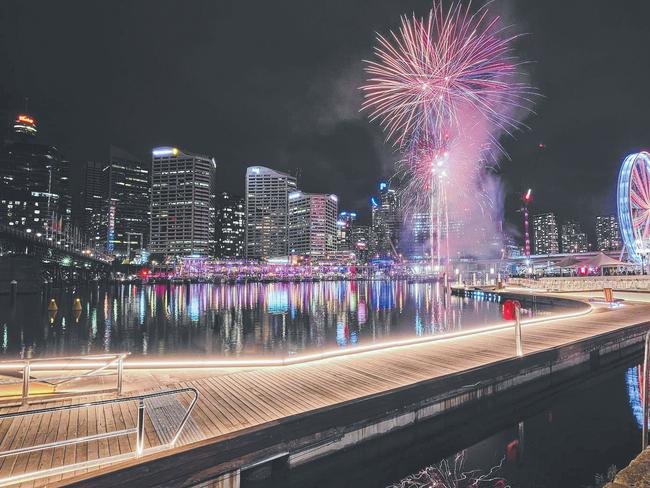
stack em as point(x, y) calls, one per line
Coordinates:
point(644, 393)
point(26, 375)
point(518, 347)
point(140, 432)
point(120, 372)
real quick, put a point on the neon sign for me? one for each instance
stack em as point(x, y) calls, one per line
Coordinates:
point(26, 119)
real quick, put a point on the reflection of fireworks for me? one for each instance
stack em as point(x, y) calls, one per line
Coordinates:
point(451, 475)
point(442, 87)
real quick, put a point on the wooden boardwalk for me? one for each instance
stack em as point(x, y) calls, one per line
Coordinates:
point(239, 399)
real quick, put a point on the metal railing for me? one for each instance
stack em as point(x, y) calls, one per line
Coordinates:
point(98, 365)
point(138, 430)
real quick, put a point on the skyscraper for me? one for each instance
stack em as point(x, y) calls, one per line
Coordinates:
point(344, 226)
point(573, 239)
point(386, 220)
point(182, 190)
point(608, 237)
point(64, 189)
point(230, 225)
point(127, 203)
point(29, 181)
point(93, 195)
point(362, 241)
point(545, 233)
point(312, 224)
point(267, 212)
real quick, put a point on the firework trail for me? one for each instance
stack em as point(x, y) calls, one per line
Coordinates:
point(442, 88)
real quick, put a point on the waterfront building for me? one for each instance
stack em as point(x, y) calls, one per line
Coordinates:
point(362, 237)
point(230, 225)
point(545, 233)
point(127, 203)
point(93, 196)
point(386, 220)
point(30, 175)
point(181, 199)
point(608, 237)
point(267, 212)
point(312, 224)
point(344, 226)
point(573, 239)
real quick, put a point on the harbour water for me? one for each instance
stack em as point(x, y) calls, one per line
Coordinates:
point(254, 319)
point(569, 438)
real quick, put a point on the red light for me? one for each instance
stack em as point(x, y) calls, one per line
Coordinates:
point(26, 119)
point(541, 145)
point(144, 272)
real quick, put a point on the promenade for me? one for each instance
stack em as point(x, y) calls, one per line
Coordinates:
point(237, 401)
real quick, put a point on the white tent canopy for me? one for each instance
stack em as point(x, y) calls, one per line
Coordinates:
point(601, 260)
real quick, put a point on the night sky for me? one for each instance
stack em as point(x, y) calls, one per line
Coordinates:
point(276, 83)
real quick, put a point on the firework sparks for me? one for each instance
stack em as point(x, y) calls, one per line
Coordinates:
point(437, 66)
point(442, 88)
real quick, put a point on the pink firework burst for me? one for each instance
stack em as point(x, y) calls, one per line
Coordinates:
point(434, 67)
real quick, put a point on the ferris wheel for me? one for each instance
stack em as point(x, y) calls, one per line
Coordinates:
point(633, 199)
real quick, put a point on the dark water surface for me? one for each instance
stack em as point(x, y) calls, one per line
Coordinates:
point(236, 320)
point(559, 441)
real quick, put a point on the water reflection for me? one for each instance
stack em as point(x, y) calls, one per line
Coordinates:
point(236, 320)
point(452, 473)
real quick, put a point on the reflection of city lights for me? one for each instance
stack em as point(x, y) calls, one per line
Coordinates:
point(633, 382)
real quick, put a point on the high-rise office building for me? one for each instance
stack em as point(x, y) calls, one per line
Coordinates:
point(386, 220)
point(545, 234)
point(93, 196)
point(312, 224)
point(64, 189)
point(344, 226)
point(181, 201)
point(127, 203)
point(418, 242)
point(362, 241)
point(267, 212)
point(30, 181)
point(230, 225)
point(608, 237)
point(573, 239)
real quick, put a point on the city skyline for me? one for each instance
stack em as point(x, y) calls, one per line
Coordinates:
point(328, 132)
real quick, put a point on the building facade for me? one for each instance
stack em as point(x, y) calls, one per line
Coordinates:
point(32, 181)
point(362, 241)
point(182, 186)
point(126, 212)
point(545, 234)
point(93, 196)
point(230, 225)
point(344, 226)
point(574, 240)
point(608, 237)
point(267, 212)
point(312, 224)
point(386, 221)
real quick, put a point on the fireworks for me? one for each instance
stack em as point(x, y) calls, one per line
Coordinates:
point(434, 68)
point(442, 88)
